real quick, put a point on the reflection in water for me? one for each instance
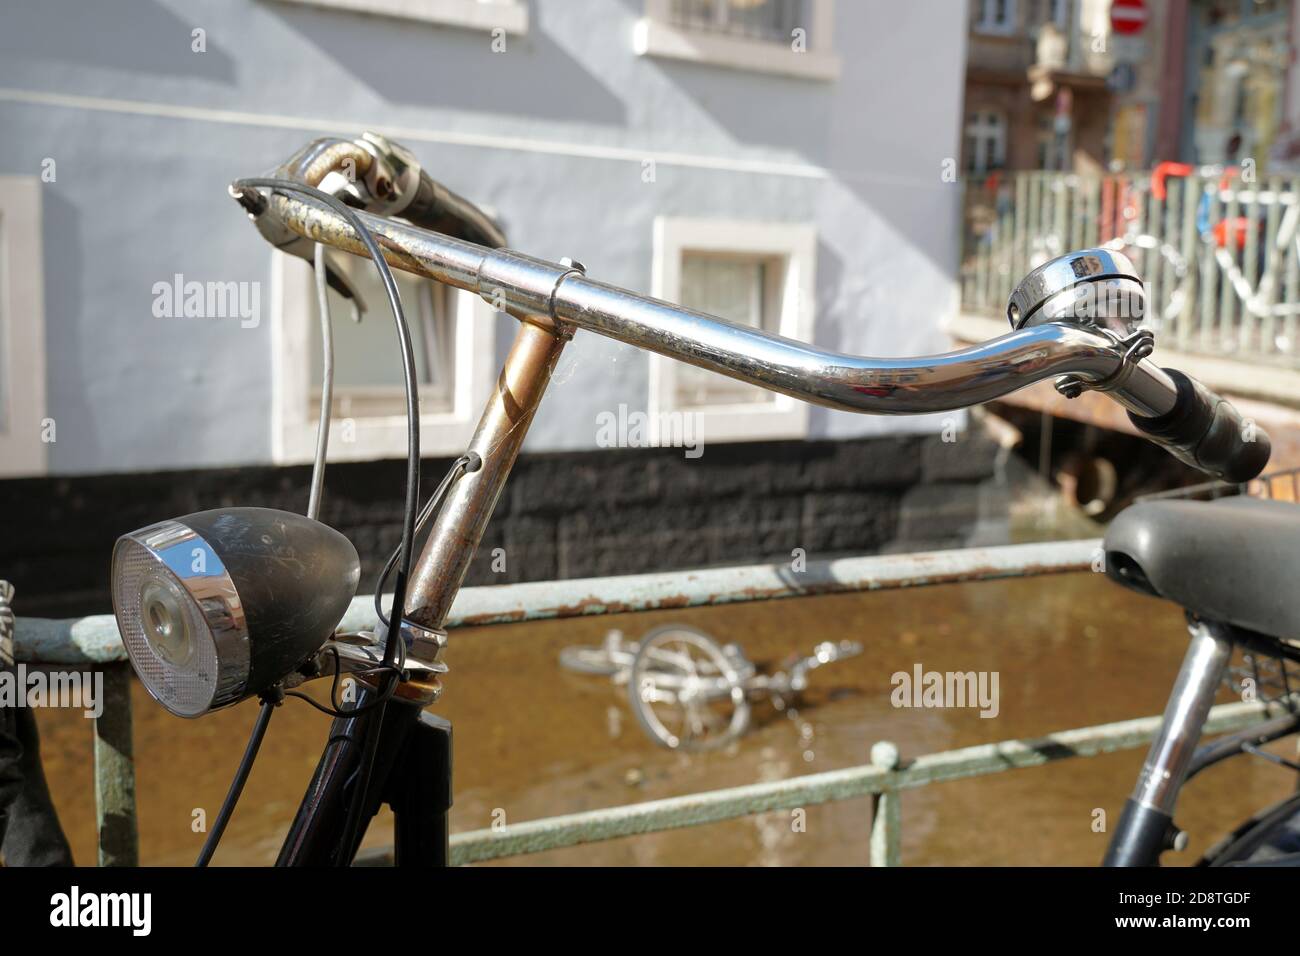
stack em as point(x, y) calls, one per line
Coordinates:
point(533, 740)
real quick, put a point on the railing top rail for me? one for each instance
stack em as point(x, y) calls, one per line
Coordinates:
point(95, 640)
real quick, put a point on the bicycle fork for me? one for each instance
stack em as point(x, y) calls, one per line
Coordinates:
point(1146, 828)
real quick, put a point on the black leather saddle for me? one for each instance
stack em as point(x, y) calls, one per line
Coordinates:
point(1235, 560)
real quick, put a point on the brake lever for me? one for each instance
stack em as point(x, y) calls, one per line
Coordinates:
point(290, 243)
point(339, 283)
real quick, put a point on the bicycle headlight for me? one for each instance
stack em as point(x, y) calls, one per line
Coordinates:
point(217, 606)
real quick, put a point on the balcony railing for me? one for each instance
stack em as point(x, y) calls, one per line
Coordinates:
point(1219, 255)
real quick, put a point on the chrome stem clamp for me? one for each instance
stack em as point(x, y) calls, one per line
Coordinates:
point(1135, 347)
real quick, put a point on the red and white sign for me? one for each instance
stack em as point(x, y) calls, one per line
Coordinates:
point(1128, 17)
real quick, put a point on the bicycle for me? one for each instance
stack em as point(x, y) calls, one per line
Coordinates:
point(687, 691)
point(238, 603)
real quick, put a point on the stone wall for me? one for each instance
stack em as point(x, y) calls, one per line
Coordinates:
point(563, 514)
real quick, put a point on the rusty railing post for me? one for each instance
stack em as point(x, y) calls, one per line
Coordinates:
point(115, 771)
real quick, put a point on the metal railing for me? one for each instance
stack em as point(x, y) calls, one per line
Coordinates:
point(93, 642)
point(1220, 256)
point(883, 779)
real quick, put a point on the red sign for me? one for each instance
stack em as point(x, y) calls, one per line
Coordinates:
point(1128, 17)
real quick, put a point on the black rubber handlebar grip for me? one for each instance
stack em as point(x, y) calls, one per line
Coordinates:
point(1207, 432)
point(436, 207)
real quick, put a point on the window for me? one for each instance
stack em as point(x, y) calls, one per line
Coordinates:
point(1053, 143)
point(770, 20)
point(508, 15)
point(367, 369)
point(995, 16)
point(756, 274)
point(744, 288)
point(1056, 12)
point(22, 329)
point(986, 142)
point(790, 37)
point(451, 335)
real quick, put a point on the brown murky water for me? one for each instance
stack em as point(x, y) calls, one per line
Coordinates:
point(533, 740)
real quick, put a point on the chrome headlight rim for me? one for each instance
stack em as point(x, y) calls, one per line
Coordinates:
point(181, 554)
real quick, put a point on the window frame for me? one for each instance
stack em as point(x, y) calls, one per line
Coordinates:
point(794, 243)
point(1055, 148)
point(23, 452)
point(295, 400)
point(989, 27)
point(508, 15)
point(997, 137)
point(655, 34)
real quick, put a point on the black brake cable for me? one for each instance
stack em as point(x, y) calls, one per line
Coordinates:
point(466, 464)
point(237, 785)
point(393, 639)
point(338, 710)
point(408, 369)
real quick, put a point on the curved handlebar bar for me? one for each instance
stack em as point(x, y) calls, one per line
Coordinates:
point(559, 295)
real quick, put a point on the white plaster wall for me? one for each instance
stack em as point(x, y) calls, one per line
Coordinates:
point(146, 134)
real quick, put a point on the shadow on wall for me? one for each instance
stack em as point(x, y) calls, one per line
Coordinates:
point(137, 36)
point(67, 401)
point(431, 66)
point(545, 76)
point(887, 220)
point(754, 108)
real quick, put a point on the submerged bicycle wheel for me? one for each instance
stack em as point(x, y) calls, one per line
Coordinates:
point(686, 692)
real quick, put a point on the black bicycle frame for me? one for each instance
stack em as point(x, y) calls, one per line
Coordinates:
point(411, 773)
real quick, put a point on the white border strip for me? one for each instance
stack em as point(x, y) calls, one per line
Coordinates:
point(416, 134)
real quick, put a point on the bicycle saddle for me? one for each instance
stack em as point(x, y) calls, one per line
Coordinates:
point(1231, 560)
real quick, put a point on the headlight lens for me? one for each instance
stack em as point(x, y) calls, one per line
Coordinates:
point(173, 623)
point(166, 624)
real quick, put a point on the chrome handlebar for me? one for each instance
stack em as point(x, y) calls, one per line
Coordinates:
point(1076, 318)
point(561, 296)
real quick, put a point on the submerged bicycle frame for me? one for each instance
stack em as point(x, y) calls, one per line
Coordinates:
point(553, 300)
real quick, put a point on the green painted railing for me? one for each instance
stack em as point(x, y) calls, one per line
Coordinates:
point(93, 642)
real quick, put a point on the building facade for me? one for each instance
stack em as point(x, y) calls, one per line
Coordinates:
point(784, 163)
point(1051, 85)
point(1036, 85)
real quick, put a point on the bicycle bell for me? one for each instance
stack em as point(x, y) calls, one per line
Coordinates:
point(1097, 288)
